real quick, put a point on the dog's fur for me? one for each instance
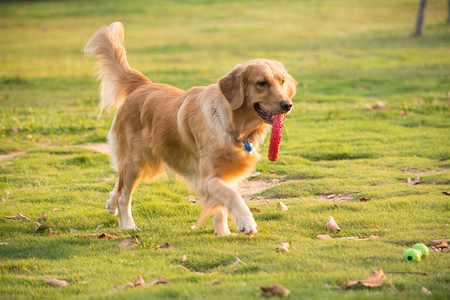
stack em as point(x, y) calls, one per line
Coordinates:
point(160, 127)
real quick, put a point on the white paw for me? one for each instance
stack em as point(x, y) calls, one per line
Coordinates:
point(222, 231)
point(111, 210)
point(245, 222)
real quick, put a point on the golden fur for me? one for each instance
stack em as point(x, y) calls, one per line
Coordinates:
point(160, 127)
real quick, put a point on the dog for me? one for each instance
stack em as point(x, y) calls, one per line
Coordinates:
point(206, 134)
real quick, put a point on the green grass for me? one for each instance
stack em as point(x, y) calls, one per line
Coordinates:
point(346, 56)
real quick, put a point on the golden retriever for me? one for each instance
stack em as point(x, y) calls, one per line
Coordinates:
point(202, 134)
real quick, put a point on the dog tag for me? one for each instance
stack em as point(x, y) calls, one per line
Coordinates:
point(248, 147)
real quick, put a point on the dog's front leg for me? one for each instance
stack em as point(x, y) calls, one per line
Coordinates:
point(216, 188)
point(221, 222)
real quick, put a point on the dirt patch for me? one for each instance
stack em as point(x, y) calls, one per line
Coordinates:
point(101, 148)
point(11, 155)
point(250, 188)
point(335, 198)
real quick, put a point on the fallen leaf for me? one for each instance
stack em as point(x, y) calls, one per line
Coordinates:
point(118, 287)
point(43, 216)
point(215, 282)
point(159, 280)
point(98, 235)
point(381, 183)
point(51, 232)
point(56, 282)
point(324, 237)
point(446, 193)
point(3, 244)
point(403, 112)
point(281, 206)
point(58, 209)
point(283, 247)
point(255, 174)
point(255, 210)
point(364, 199)
point(238, 261)
point(274, 290)
point(130, 285)
point(18, 217)
point(331, 224)
point(129, 243)
point(183, 258)
point(73, 230)
point(183, 267)
point(105, 179)
point(98, 227)
point(379, 105)
point(164, 246)
point(139, 281)
point(331, 196)
point(425, 291)
point(375, 280)
point(38, 226)
point(435, 242)
point(415, 181)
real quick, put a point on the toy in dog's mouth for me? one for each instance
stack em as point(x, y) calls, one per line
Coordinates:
point(277, 122)
point(267, 117)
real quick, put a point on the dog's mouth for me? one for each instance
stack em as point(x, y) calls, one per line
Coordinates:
point(267, 117)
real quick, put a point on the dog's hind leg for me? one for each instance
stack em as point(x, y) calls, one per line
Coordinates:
point(129, 178)
point(221, 222)
point(111, 203)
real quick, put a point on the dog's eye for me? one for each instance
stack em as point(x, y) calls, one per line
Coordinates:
point(262, 83)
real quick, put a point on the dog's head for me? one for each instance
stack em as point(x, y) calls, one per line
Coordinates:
point(262, 86)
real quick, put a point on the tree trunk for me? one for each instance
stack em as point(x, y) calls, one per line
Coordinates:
point(421, 18)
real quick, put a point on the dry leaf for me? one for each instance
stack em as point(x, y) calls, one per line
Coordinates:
point(43, 216)
point(415, 181)
point(159, 280)
point(139, 281)
point(51, 232)
point(18, 217)
point(105, 179)
point(129, 243)
point(283, 247)
point(215, 282)
point(164, 246)
point(73, 230)
point(130, 285)
point(379, 105)
point(331, 224)
point(324, 237)
point(425, 291)
point(435, 242)
point(274, 290)
point(183, 258)
point(99, 235)
point(254, 210)
point(238, 261)
point(38, 226)
point(281, 206)
point(364, 199)
point(58, 209)
point(55, 282)
point(118, 287)
point(3, 244)
point(446, 193)
point(375, 280)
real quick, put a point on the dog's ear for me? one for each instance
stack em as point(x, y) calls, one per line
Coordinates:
point(290, 86)
point(232, 86)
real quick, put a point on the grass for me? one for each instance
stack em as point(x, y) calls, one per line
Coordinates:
point(346, 56)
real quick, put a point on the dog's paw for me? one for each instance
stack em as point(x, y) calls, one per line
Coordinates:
point(111, 210)
point(245, 223)
point(222, 231)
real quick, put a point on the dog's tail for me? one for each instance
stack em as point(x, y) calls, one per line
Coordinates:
point(118, 79)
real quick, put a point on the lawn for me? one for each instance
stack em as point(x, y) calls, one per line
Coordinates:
point(337, 148)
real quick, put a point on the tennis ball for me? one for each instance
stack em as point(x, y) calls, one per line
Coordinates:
point(411, 255)
point(422, 249)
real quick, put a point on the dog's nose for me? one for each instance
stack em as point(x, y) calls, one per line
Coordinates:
point(285, 105)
